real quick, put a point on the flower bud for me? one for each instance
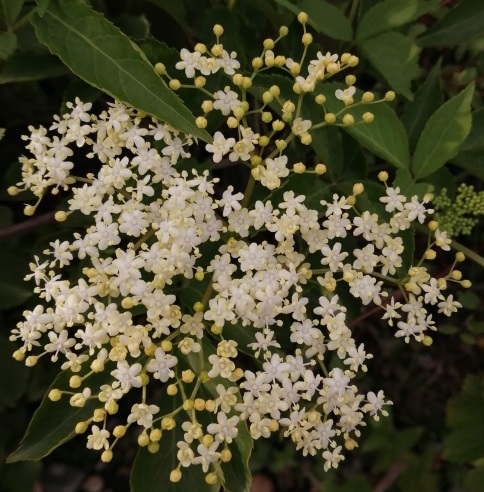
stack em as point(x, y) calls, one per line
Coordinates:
point(348, 120)
point(201, 122)
point(143, 439)
point(13, 191)
point(81, 427)
point(320, 169)
point(211, 478)
point(257, 62)
point(330, 118)
point(160, 68)
point(119, 431)
point(174, 84)
point(188, 376)
point(307, 39)
point(172, 389)
point(299, 168)
point(153, 447)
point(302, 18)
point(368, 117)
point(218, 30)
point(175, 476)
point(389, 96)
point(268, 44)
point(55, 395)
point(60, 216)
point(225, 455)
point(383, 176)
point(459, 256)
point(283, 31)
point(350, 80)
point(368, 97)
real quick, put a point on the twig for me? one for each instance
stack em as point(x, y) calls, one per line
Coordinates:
point(391, 475)
point(27, 226)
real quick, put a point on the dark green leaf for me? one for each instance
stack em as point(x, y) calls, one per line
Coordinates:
point(10, 10)
point(13, 376)
point(443, 134)
point(134, 26)
point(474, 481)
point(472, 162)
point(26, 67)
point(98, 52)
point(236, 471)
point(395, 57)
point(8, 44)
point(461, 24)
point(390, 14)
point(465, 418)
point(42, 6)
point(289, 6)
point(406, 183)
point(53, 423)
point(385, 136)
point(13, 290)
point(475, 141)
point(327, 19)
point(427, 100)
point(151, 471)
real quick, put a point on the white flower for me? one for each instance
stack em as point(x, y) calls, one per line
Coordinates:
point(449, 306)
point(98, 439)
point(344, 95)
point(127, 375)
point(226, 101)
point(161, 365)
point(225, 429)
point(189, 62)
point(142, 414)
point(220, 146)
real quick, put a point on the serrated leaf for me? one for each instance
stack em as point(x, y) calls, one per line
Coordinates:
point(443, 134)
point(53, 423)
point(327, 19)
point(98, 52)
point(10, 10)
point(395, 57)
point(461, 24)
point(28, 67)
point(390, 14)
point(8, 44)
point(426, 101)
point(405, 181)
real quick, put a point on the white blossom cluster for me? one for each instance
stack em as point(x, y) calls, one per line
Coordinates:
point(150, 223)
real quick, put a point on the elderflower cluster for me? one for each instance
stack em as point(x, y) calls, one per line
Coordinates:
point(265, 273)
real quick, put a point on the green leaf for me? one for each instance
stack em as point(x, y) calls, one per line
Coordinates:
point(10, 10)
point(13, 290)
point(475, 141)
point(395, 57)
point(8, 44)
point(289, 6)
point(443, 134)
point(474, 480)
point(385, 136)
point(405, 181)
point(13, 376)
point(390, 14)
point(98, 52)
point(465, 418)
point(42, 6)
point(53, 423)
point(29, 67)
point(427, 100)
point(327, 19)
point(236, 472)
point(461, 24)
point(151, 471)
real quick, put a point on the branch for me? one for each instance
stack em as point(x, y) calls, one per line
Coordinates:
point(27, 226)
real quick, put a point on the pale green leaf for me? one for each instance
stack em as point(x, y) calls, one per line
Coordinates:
point(461, 24)
point(327, 19)
point(8, 44)
point(443, 134)
point(390, 14)
point(395, 57)
point(98, 52)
